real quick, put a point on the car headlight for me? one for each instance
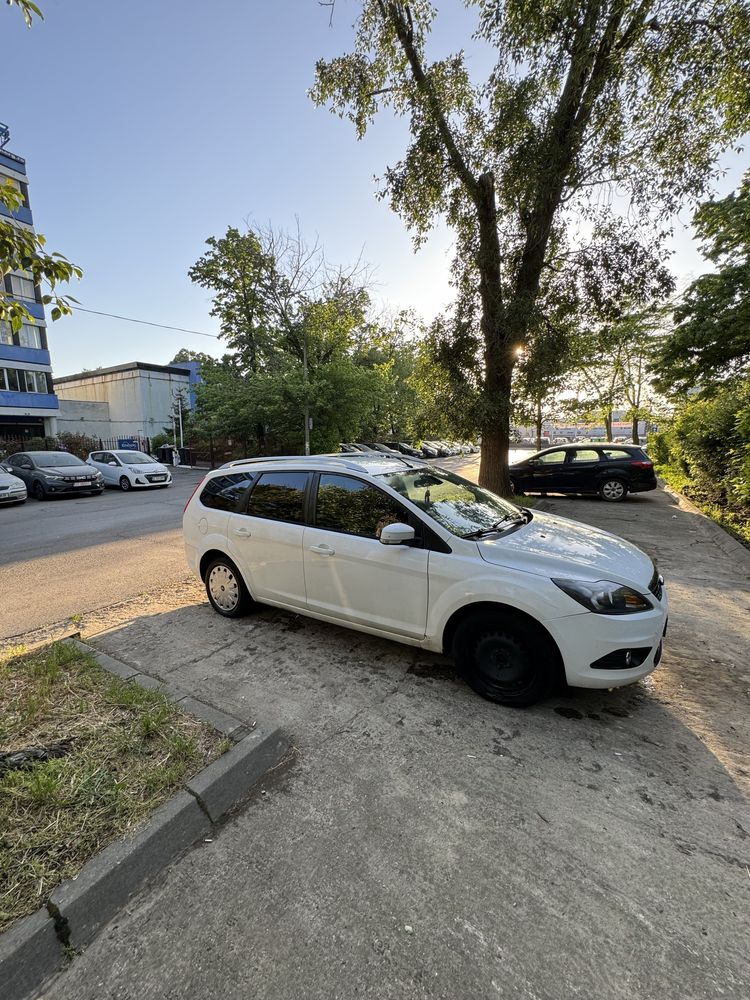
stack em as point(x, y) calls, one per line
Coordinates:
point(52, 475)
point(131, 468)
point(604, 597)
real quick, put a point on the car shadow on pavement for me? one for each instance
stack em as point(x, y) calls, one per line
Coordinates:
point(427, 832)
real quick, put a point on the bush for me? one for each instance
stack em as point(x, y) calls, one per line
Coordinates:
point(77, 444)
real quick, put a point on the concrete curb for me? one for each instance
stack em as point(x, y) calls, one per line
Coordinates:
point(38, 947)
point(726, 542)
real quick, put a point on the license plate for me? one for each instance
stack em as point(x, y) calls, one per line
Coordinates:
point(158, 479)
point(81, 484)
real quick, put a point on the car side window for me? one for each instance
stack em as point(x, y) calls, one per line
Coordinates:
point(552, 458)
point(585, 455)
point(279, 496)
point(95, 456)
point(617, 453)
point(109, 457)
point(226, 492)
point(353, 507)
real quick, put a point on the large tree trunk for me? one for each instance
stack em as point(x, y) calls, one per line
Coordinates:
point(608, 425)
point(636, 438)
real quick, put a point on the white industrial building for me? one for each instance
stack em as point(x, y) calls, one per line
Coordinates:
point(135, 400)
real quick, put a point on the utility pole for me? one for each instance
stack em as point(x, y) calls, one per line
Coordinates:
point(304, 382)
point(179, 406)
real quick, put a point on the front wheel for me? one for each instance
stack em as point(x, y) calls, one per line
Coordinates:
point(125, 484)
point(613, 490)
point(37, 491)
point(504, 658)
point(226, 589)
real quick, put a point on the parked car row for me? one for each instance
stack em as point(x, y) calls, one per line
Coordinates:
point(43, 474)
point(422, 449)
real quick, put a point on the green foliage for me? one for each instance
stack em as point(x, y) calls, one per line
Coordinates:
point(707, 450)
point(711, 338)
point(77, 444)
point(581, 97)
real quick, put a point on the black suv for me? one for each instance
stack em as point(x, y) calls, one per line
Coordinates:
point(611, 470)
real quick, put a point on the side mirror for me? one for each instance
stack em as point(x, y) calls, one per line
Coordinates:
point(396, 534)
point(112, 463)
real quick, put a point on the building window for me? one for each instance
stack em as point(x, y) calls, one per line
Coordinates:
point(22, 288)
point(16, 380)
point(6, 333)
point(30, 336)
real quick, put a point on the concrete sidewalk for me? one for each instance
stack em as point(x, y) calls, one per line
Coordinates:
point(430, 844)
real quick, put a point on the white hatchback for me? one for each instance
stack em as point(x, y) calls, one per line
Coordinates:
point(417, 554)
point(130, 469)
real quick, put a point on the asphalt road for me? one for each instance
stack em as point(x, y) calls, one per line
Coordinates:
point(69, 555)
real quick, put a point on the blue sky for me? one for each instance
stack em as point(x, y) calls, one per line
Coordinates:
point(149, 126)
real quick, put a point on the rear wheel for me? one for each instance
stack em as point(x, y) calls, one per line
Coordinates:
point(226, 589)
point(38, 491)
point(125, 484)
point(613, 490)
point(504, 658)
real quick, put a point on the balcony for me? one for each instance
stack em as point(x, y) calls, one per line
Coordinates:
point(29, 401)
point(21, 214)
point(34, 355)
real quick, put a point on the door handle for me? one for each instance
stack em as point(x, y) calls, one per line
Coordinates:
point(322, 550)
point(242, 532)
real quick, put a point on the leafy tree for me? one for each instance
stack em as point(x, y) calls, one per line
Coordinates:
point(711, 338)
point(23, 250)
point(633, 93)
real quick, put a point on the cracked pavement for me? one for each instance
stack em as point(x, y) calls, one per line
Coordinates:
point(427, 843)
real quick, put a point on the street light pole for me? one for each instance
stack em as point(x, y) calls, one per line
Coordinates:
point(304, 382)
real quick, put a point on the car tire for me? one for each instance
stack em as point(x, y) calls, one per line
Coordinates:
point(226, 589)
point(504, 658)
point(125, 484)
point(613, 490)
point(38, 491)
point(515, 490)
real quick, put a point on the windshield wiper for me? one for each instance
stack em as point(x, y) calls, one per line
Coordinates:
point(512, 518)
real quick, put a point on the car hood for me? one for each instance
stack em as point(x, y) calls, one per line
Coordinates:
point(79, 471)
point(149, 467)
point(557, 547)
point(8, 481)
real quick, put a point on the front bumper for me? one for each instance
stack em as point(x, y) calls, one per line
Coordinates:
point(62, 487)
point(141, 482)
point(584, 639)
point(12, 496)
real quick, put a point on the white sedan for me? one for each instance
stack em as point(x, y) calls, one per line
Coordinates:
point(130, 469)
point(12, 489)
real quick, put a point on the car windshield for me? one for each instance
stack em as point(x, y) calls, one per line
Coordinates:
point(135, 458)
point(455, 503)
point(54, 460)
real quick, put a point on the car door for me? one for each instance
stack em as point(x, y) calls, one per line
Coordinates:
point(22, 467)
point(349, 574)
point(546, 472)
point(265, 539)
point(582, 470)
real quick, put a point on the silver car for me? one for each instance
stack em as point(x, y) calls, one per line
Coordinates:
point(12, 489)
point(130, 470)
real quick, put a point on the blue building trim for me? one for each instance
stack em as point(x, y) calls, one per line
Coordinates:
point(36, 309)
point(29, 400)
point(12, 161)
point(22, 214)
point(33, 355)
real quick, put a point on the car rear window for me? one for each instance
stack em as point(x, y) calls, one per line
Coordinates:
point(226, 492)
point(620, 453)
point(279, 496)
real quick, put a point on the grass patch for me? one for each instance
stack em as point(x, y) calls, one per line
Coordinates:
point(735, 522)
point(123, 751)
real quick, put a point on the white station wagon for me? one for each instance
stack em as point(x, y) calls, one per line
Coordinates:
point(411, 552)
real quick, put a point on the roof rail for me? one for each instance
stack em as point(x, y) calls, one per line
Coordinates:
point(342, 461)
